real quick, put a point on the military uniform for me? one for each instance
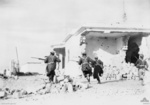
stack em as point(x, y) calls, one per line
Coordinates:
point(142, 66)
point(86, 68)
point(98, 69)
point(51, 66)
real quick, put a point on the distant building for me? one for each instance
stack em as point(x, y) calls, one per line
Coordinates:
point(111, 44)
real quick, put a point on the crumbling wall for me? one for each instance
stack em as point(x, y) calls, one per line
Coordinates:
point(105, 48)
point(145, 46)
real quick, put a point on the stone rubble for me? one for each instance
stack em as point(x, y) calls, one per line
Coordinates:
point(125, 71)
point(66, 84)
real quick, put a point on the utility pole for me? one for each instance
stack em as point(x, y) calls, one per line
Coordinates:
point(18, 65)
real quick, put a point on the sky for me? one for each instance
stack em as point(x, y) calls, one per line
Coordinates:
point(33, 25)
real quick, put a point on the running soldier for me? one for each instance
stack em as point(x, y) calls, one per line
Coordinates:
point(98, 69)
point(142, 65)
point(86, 68)
point(51, 61)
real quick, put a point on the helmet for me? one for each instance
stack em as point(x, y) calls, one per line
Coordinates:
point(96, 57)
point(141, 56)
point(52, 52)
point(84, 53)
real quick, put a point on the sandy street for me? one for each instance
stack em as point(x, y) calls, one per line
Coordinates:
point(127, 92)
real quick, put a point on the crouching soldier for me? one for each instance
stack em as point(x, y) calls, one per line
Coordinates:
point(86, 68)
point(142, 65)
point(51, 61)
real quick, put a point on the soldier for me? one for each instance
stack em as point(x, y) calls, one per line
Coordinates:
point(51, 61)
point(86, 68)
point(98, 69)
point(142, 65)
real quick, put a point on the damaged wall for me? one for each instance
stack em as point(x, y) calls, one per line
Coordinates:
point(109, 50)
point(105, 48)
point(145, 46)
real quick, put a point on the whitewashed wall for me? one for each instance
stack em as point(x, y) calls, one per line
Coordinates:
point(106, 49)
point(72, 48)
point(145, 46)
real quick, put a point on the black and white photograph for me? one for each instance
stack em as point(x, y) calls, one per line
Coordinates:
point(74, 52)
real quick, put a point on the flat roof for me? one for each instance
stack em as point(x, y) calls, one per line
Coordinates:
point(107, 31)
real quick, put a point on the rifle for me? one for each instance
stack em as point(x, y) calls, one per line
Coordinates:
point(38, 58)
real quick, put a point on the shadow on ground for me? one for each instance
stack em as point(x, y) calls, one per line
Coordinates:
point(28, 74)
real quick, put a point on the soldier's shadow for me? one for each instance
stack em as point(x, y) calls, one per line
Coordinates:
point(27, 74)
point(111, 81)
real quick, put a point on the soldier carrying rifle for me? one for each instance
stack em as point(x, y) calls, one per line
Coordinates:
point(51, 61)
point(142, 65)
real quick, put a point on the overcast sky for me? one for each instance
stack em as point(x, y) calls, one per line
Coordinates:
point(33, 25)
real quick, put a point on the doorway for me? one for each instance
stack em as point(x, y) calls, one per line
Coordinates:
point(132, 54)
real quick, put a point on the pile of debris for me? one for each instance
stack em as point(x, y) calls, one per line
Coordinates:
point(63, 85)
point(126, 71)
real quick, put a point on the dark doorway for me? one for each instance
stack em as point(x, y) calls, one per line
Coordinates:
point(132, 54)
point(61, 51)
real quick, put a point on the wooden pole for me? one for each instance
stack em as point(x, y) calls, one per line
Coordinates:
point(18, 65)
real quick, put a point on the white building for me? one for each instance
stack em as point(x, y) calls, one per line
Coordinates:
point(113, 44)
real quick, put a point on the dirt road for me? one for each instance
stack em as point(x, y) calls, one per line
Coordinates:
point(127, 92)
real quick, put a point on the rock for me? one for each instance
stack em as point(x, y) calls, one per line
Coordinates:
point(48, 88)
point(60, 78)
point(44, 86)
point(24, 92)
point(3, 94)
point(7, 91)
point(17, 94)
point(31, 90)
point(66, 80)
point(12, 92)
point(82, 85)
point(69, 87)
point(63, 89)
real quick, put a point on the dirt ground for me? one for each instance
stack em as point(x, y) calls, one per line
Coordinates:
point(127, 92)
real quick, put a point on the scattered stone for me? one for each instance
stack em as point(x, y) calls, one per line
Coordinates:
point(3, 94)
point(42, 91)
point(16, 94)
point(69, 87)
point(63, 89)
point(7, 91)
point(24, 92)
point(48, 88)
point(31, 90)
point(60, 78)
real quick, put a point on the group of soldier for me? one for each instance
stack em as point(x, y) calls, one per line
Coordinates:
point(87, 64)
